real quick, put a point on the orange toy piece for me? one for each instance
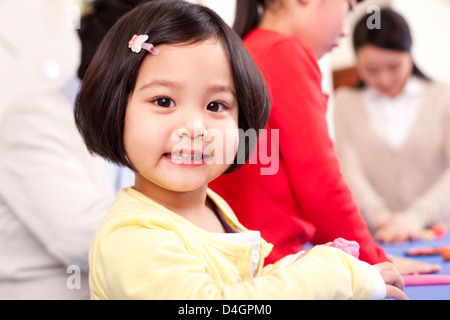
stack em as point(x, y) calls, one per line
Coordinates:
point(437, 231)
point(445, 252)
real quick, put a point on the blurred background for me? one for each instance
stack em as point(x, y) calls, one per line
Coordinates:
point(39, 46)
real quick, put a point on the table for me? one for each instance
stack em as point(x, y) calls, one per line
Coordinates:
point(428, 292)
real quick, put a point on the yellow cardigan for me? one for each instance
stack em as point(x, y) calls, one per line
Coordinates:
point(144, 251)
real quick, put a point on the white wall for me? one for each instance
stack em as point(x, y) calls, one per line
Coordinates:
point(430, 24)
point(226, 8)
point(39, 48)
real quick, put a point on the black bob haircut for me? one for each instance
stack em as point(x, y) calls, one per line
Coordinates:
point(111, 76)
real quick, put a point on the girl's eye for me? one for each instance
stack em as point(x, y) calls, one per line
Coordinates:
point(216, 106)
point(164, 102)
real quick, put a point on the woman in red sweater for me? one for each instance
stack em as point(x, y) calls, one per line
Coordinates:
point(305, 198)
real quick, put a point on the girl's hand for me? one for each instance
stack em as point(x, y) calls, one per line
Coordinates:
point(393, 280)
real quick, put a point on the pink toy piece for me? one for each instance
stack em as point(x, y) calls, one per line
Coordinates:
point(439, 230)
point(426, 279)
point(350, 247)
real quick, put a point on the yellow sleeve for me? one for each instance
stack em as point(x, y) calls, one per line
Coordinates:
point(326, 273)
point(131, 266)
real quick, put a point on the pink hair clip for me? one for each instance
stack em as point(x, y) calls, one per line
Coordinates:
point(138, 42)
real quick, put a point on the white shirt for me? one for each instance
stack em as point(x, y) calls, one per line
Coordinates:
point(393, 118)
point(252, 238)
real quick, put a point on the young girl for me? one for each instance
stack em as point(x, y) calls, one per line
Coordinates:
point(151, 105)
point(307, 200)
point(391, 134)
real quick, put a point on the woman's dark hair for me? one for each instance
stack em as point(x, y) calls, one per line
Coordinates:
point(394, 34)
point(94, 26)
point(111, 76)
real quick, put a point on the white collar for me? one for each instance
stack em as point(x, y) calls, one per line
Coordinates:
point(413, 88)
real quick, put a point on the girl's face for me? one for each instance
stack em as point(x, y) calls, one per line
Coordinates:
point(182, 109)
point(385, 70)
point(327, 23)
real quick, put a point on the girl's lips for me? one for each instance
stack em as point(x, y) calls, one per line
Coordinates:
point(192, 158)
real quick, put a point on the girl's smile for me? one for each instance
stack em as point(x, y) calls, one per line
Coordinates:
point(188, 157)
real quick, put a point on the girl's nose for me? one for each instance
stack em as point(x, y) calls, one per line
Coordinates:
point(200, 130)
point(193, 130)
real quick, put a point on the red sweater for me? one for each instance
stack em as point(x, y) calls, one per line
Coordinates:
point(307, 200)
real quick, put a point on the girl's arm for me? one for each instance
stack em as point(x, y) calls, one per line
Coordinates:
point(141, 263)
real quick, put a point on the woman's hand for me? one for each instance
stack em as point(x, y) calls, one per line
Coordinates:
point(410, 266)
point(398, 228)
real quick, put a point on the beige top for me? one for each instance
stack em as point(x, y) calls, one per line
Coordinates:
point(53, 195)
point(414, 178)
